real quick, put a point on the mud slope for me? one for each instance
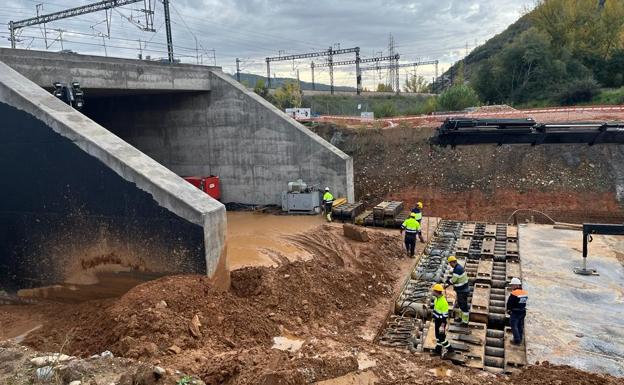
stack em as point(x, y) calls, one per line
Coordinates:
point(568, 182)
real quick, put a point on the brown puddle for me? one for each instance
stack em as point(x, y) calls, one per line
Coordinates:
point(108, 284)
point(256, 239)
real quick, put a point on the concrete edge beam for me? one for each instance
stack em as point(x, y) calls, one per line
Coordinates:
point(44, 68)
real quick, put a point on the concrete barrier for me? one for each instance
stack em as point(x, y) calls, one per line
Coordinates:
point(73, 195)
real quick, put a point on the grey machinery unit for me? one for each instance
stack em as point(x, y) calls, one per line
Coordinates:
point(301, 198)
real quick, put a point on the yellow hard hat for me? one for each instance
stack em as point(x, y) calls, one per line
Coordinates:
point(452, 259)
point(413, 215)
point(438, 287)
point(419, 205)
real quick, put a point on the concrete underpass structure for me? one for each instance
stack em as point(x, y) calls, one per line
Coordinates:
point(100, 186)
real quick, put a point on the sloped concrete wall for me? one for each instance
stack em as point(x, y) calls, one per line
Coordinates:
point(259, 148)
point(74, 195)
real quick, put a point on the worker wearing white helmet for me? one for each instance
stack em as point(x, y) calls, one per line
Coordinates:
point(328, 203)
point(516, 307)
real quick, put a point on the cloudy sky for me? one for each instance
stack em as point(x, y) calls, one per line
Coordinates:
point(254, 29)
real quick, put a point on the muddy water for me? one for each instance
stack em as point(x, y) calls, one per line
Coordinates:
point(107, 284)
point(255, 239)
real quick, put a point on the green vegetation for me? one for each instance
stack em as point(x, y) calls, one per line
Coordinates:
point(384, 88)
point(417, 84)
point(261, 89)
point(287, 96)
point(457, 98)
point(610, 96)
point(562, 52)
point(381, 105)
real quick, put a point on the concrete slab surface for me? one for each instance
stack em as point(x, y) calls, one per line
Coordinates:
point(572, 319)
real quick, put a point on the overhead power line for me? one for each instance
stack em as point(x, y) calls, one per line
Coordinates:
point(104, 5)
point(330, 53)
point(42, 19)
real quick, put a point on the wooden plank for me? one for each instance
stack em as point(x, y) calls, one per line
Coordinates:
point(488, 246)
point(474, 356)
point(512, 249)
point(490, 231)
point(378, 211)
point(359, 220)
point(513, 269)
point(339, 202)
point(468, 230)
point(515, 355)
point(512, 232)
point(480, 306)
point(484, 271)
point(429, 340)
point(462, 246)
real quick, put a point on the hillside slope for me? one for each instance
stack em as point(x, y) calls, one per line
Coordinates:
point(251, 80)
point(562, 52)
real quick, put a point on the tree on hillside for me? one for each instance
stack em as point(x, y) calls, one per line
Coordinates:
point(417, 84)
point(288, 95)
point(381, 87)
point(529, 68)
point(589, 29)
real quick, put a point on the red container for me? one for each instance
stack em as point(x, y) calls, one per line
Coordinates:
point(195, 181)
point(209, 184)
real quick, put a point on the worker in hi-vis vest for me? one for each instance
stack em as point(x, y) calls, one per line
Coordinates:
point(440, 320)
point(419, 216)
point(411, 227)
point(459, 280)
point(328, 202)
point(516, 307)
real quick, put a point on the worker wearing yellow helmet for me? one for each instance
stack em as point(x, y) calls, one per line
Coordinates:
point(412, 228)
point(419, 215)
point(459, 281)
point(440, 319)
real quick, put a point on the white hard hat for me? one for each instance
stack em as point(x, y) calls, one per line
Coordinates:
point(326, 188)
point(515, 281)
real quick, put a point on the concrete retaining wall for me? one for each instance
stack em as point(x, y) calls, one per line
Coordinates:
point(254, 148)
point(74, 195)
point(196, 120)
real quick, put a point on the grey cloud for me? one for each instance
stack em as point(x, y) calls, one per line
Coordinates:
point(254, 29)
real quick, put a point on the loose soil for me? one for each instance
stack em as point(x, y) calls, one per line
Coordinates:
point(334, 302)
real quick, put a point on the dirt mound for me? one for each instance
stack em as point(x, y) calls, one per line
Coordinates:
point(570, 183)
point(495, 108)
point(183, 319)
point(547, 374)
